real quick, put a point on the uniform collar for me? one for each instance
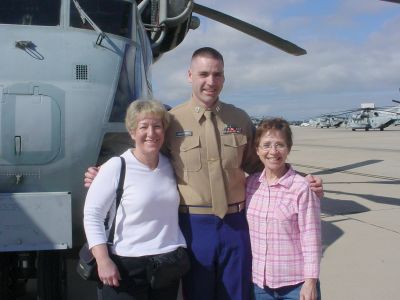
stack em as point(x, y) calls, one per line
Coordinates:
point(198, 110)
point(285, 181)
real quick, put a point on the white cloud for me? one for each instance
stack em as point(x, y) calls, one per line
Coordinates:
point(347, 60)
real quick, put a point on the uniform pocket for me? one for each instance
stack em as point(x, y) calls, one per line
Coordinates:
point(233, 146)
point(190, 154)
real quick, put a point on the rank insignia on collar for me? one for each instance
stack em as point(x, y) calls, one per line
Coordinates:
point(232, 129)
point(183, 133)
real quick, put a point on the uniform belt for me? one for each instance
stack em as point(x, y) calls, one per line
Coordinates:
point(207, 210)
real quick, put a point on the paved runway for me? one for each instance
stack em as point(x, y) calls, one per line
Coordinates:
point(360, 211)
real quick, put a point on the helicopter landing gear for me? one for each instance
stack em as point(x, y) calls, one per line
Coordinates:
point(51, 276)
point(353, 129)
point(381, 129)
point(366, 129)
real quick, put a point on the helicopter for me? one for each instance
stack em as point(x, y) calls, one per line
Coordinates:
point(69, 70)
point(329, 120)
point(366, 117)
point(396, 109)
point(369, 117)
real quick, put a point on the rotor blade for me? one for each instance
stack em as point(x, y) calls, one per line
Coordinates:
point(249, 29)
point(397, 101)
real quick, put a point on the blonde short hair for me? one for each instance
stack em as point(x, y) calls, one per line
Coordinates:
point(145, 107)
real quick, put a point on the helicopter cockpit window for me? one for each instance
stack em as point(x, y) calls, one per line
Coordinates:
point(134, 81)
point(111, 16)
point(30, 12)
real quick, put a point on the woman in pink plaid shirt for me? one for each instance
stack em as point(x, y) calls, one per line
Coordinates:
point(284, 221)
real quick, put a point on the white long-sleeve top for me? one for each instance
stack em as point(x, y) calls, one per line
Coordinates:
point(147, 217)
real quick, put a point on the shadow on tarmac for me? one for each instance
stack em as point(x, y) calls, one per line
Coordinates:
point(375, 198)
point(339, 207)
point(336, 207)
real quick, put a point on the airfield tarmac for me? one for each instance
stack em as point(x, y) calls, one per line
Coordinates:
point(360, 212)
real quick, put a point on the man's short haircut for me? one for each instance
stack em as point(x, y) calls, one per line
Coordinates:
point(208, 52)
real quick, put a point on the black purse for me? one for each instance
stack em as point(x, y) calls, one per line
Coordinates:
point(87, 266)
point(164, 269)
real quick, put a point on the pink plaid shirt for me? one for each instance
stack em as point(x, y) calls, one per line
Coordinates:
point(285, 230)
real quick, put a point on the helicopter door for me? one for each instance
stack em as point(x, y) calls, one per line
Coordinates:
point(30, 124)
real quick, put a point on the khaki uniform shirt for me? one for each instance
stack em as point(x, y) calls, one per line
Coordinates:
point(185, 141)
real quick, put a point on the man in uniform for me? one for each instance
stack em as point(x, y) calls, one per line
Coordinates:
point(211, 147)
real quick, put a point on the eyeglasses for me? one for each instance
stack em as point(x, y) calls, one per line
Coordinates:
point(269, 146)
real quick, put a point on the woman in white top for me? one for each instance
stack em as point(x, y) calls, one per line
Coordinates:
point(147, 217)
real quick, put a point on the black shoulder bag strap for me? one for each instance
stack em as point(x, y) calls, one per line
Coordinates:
point(120, 191)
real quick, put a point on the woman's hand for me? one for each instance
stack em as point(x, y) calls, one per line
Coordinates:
point(108, 272)
point(309, 290)
point(316, 185)
point(90, 174)
point(106, 268)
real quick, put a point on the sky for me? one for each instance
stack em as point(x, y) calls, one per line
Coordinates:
point(353, 57)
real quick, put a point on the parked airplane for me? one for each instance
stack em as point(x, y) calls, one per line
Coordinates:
point(68, 71)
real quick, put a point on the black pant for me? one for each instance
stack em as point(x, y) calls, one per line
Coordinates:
point(134, 284)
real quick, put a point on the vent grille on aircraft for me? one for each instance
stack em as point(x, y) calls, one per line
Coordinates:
point(81, 72)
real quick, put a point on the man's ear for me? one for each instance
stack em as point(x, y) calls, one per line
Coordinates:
point(190, 76)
